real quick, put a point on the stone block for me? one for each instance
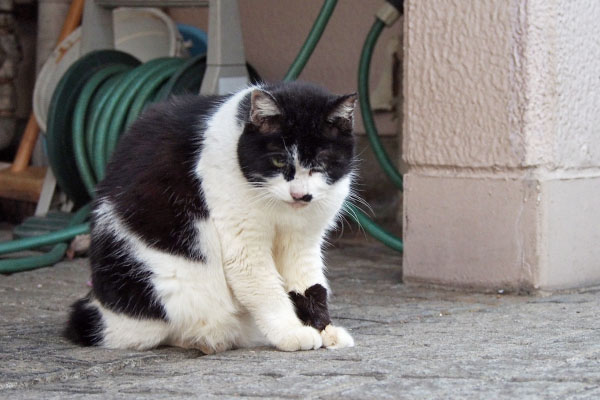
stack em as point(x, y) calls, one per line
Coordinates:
point(471, 232)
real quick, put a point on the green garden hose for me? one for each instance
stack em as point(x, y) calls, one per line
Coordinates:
point(311, 41)
point(79, 120)
point(365, 105)
point(76, 227)
point(110, 95)
point(367, 223)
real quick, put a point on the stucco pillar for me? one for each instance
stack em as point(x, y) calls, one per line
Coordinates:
point(502, 139)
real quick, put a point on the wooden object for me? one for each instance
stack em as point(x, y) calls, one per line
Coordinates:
point(26, 146)
point(20, 182)
point(25, 185)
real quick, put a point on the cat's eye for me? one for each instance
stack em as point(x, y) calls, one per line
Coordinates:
point(278, 162)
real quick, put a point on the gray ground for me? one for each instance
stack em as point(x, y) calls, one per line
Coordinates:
point(411, 343)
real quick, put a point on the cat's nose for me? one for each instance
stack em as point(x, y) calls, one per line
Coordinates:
point(301, 197)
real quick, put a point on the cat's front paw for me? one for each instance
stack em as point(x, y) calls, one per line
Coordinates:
point(336, 337)
point(301, 338)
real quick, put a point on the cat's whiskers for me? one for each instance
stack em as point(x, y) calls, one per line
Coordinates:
point(339, 218)
point(341, 221)
point(261, 194)
point(353, 198)
point(325, 242)
point(353, 214)
point(249, 186)
point(257, 196)
point(270, 205)
point(258, 200)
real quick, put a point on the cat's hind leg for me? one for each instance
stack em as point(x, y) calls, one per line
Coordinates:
point(91, 324)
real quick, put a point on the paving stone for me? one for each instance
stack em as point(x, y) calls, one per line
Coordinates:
point(411, 343)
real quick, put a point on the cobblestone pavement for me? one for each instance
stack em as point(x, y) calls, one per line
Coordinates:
point(411, 343)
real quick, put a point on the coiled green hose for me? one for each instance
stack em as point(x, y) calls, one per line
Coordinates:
point(84, 156)
point(112, 97)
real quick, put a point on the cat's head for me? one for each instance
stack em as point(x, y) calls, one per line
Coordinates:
point(297, 144)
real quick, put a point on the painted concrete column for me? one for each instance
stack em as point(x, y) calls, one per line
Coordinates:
point(502, 139)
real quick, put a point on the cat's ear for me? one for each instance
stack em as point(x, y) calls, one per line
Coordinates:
point(264, 111)
point(343, 110)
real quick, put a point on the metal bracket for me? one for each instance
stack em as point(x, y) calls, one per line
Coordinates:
point(226, 62)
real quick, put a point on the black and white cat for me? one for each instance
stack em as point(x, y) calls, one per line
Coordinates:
point(208, 227)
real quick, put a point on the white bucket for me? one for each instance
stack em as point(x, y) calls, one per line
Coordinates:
point(145, 33)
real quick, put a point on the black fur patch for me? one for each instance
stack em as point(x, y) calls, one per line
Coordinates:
point(311, 308)
point(85, 324)
point(150, 178)
point(120, 282)
point(323, 144)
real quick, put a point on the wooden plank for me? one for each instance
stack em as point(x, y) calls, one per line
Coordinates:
point(25, 185)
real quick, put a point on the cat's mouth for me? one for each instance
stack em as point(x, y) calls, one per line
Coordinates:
point(297, 204)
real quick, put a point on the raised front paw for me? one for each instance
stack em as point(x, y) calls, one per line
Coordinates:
point(300, 338)
point(336, 337)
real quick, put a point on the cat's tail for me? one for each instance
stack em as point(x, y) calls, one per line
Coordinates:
point(85, 323)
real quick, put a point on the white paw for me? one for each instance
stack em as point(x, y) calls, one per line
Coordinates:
point(300, 338)
point(336, 337)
